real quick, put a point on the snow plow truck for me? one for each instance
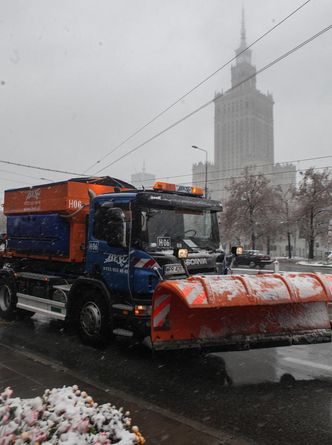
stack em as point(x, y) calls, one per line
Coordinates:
point(117, 261)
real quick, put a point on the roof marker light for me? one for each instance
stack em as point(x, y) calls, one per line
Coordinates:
point(168, 187)
point(197, 191)
point(164, 186)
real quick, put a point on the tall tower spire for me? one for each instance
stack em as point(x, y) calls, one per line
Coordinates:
point(245, 56)
point(243, 124)
point(243, 68)
point(243, 31)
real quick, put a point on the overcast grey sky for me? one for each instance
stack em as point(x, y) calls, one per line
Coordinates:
point(78, 76)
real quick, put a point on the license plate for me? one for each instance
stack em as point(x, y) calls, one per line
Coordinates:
point(173, 269)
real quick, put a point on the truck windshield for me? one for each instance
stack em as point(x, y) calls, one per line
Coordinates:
point(165, 229)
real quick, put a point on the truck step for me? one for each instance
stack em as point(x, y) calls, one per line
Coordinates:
point(36, 276)
point(123, 332)
point(64, 287)
point(123, 307)
point(51, 308)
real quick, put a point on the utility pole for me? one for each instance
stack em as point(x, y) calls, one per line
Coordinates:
point(206, 167)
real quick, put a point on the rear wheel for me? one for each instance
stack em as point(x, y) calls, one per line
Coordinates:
point(252, 264)
point(94, 321)
point(8, 299)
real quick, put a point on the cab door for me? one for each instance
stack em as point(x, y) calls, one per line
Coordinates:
point(108, 246)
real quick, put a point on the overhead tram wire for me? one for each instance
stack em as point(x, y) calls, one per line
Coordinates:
point(252, 175)
point(229, 178)
point(42, 168)
point(25, 176)
point(164, 177)
point(290, 183)
point(187, 116)
point(249, 166)
point(172, 105)
point(329, 167)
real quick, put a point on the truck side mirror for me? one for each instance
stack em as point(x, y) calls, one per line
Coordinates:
point(237, 250)
point(115, 227)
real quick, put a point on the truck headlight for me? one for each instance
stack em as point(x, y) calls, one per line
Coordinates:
point(140, 310)
point(181, 253)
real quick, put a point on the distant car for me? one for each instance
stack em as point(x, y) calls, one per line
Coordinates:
point(252, 258)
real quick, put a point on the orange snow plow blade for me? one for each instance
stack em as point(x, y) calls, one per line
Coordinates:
point(241, 312)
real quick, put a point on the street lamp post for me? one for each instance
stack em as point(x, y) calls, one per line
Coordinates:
point(206, 167)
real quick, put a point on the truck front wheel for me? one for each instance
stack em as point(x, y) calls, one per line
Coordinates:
point(7, 299)
point(94, 326)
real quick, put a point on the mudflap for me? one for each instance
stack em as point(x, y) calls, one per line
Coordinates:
point(241, 312)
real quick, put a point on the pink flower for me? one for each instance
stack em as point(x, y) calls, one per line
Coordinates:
point(32, 417)
point(8, 439)
point(102, 439)
point(7, 393)
point(40, 437)
point(83, 426)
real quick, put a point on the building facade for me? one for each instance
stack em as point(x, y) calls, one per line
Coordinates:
point(243, 131)
point(143, 179)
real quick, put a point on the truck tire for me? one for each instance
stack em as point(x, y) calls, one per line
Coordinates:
point(93, 319)
point(8, 298)
point(252, 264)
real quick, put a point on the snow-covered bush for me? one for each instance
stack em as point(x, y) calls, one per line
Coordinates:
point(63, 416)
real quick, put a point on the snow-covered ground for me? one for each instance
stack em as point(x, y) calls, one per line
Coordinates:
point(294, 258)
point(315, 263)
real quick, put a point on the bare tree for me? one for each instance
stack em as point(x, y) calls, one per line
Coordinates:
point(314, 197)
point(287, 220)
point(249, 208)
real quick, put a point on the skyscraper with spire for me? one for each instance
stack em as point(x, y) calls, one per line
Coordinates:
point(243, 130)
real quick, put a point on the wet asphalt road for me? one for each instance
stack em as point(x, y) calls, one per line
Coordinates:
point(271, 396)
point(267, 396)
